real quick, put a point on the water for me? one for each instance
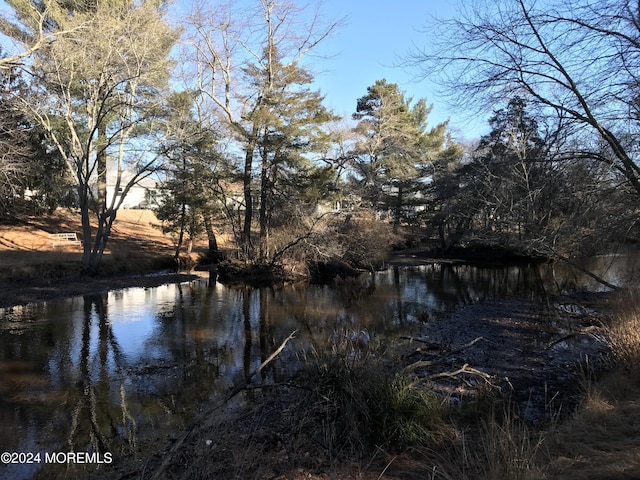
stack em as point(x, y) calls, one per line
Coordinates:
point(124, 371)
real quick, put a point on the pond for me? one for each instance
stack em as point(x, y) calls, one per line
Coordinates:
point(117, 375)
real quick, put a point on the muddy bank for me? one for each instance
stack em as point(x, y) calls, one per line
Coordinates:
point(12, 293)
point(471, 255)
point(535, 355)
point(483, 355)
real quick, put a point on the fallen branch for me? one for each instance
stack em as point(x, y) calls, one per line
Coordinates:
point(588, 332)
point(465, 369)
point(428, 363)
point(418, 364)
point(426, 342)
point(597, 278)
point(199, 420)
point(466, 345)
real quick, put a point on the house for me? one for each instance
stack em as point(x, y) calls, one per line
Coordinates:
point(143, 194)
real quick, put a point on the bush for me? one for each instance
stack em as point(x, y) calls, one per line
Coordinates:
point(354, 406)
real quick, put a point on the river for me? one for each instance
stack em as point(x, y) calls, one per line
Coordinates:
point(117, 375)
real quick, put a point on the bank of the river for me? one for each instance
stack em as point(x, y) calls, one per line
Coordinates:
point(33, 269)
point(37, 290)
point(481, 361)
point(530, 351)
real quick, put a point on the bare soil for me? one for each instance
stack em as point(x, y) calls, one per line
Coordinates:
point(133, 230)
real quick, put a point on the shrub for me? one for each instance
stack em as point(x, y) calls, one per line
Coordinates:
point(354, 406)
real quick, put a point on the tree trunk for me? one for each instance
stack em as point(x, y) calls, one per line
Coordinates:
point(105, 222)
point(398, 210)
point(213, 253)
point(183, 214)
point(85, 220)
point(101, 167)
point(264, 198)
point(94, 247)
point(245, 239)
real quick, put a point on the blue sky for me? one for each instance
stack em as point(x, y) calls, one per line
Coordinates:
point(377, 34)
point(366, 48)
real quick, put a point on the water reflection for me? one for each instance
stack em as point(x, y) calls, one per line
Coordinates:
point(120, 371)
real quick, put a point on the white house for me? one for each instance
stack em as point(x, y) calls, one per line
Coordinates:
point(141, 195)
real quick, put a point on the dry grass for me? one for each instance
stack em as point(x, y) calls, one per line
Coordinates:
point(349, 416)
point(602, 439)
point(624, 334)
point(136, 245)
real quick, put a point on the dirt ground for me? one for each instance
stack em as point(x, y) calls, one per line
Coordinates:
point(30, 262)
point(132, 228)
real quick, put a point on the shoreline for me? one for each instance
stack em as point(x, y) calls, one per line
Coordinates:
point(15, 294)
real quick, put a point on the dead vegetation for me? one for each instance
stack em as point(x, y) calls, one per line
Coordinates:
point(351, 413)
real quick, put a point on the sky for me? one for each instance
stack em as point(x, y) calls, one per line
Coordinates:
point(376, 36)
point(368, 46)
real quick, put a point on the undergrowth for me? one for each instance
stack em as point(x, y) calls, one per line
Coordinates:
point(65, 265)
point(360, 407)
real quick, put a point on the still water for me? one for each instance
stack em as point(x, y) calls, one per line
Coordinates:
point(124, 371)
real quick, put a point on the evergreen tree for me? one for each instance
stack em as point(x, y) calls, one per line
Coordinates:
point(252, 74)
point(512, 172)
point(32, 175)
point(291, 117)
point(192, 199)
point(395, 152)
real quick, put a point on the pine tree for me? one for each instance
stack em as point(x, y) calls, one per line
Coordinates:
point(192, 197)
point(291, 117)
point(396, 148)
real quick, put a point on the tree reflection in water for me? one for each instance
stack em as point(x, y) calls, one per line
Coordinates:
point(124, 371)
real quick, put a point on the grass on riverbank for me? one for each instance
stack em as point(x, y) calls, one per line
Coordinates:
point(30, 267)
point(351, 416)
point(602, 439)
point(27, 255)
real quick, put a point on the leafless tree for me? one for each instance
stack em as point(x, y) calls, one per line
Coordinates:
point(577, 59)
point(98, 100)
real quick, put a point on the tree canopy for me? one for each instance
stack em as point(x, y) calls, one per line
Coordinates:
point(244, 144)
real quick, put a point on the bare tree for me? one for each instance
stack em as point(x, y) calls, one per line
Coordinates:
point(576, 59)
point(99, 99)
point(242, 59)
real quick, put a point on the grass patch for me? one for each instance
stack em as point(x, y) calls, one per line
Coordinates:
point(31, 267)
point(624, 335)
point(602, 439)
point(25, 267)
point(358, 407)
